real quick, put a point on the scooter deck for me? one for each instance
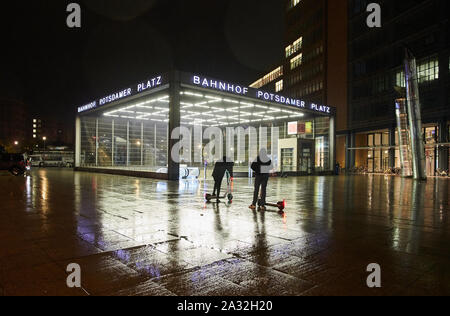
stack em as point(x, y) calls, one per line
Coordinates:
point(280, 205)
point(209, 197)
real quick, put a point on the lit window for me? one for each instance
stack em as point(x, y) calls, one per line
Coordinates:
point(274, 75)
point(279, 86)
point(427, 71)
point(34, 136)
point(296, 61)
point(34, 131)
point(400, 79)
point(34, 125)
point(294, 48)
point(34, 121)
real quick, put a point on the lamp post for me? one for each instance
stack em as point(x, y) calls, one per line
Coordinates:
point(44, 139)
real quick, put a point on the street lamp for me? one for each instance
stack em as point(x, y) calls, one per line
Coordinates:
point(16, 143)
point(44, 139)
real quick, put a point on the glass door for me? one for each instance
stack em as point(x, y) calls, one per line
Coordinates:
point(287, 159)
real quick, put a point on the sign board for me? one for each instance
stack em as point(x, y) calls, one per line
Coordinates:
point(292, 128)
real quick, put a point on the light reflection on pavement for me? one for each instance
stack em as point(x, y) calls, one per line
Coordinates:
point(136, 236)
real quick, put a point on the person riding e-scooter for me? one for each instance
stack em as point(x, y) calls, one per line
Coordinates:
point(221, 167)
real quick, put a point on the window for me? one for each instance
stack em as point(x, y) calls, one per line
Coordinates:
point(294, 48)
point(279, 86)
point(428, 70)
point(400, 79)
point(274, 75)
point(34, 121)
point(296, 61)
point(34, 136)
point(380, 84)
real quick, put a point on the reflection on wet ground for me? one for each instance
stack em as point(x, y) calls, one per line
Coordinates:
point(146, 237)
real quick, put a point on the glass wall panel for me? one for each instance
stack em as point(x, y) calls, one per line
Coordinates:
point(88, 134)
point(105, 142)
point(120, 143)
point(322, 137)
point(135, 143)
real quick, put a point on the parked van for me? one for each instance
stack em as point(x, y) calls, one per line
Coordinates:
point(14, 163)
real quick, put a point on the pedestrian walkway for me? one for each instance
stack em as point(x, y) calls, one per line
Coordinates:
point(136, 236)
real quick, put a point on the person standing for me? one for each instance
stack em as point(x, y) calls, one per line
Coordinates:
point(220, 168)
point(262, 167)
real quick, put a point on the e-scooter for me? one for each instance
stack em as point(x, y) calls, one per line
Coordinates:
point(281, 205)
point(228, 194)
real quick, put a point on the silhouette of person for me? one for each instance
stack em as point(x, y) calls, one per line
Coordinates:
point(262, 167)
point(220, 168)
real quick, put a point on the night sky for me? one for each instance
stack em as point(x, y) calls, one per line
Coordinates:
point(53, 69)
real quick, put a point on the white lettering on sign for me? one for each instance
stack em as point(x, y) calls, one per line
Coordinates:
point(219, 85)
point(152, 83)
point(280, 99)
point(320, 108)
point(141, 87)
point(87, 107)
point(115, 96)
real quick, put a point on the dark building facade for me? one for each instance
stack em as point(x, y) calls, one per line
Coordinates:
point(315, 64)
point(13, 128)
point(377, 79)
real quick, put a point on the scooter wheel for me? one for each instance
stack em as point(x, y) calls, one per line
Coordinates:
point(230, 197)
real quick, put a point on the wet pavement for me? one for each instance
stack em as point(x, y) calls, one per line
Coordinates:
point(146, 237)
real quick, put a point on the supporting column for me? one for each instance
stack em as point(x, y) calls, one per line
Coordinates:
point(174, 123)
point(96, 142)
point(128, 143)
point(332, 144)
point(275, 133)
point(350, 154)
point(142, 144)
point(78, 142)
point(154, 147)
point(392, 144)
point(443, 151)
point(113, 144)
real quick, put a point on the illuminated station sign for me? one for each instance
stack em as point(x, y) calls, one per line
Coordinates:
point(207, 83)
point(124, 93)
point(257, 94)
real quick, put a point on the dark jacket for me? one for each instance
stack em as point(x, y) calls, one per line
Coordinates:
point(221, 167)
point(262, 168)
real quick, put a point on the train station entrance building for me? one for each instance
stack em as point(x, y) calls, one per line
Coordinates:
point(137, 130)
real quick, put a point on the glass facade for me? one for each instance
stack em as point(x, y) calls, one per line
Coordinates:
point(115, 139)
point(374, 154)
